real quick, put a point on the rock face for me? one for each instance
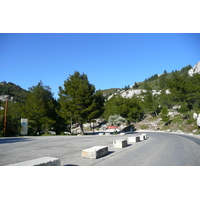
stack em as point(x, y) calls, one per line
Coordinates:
point(198, 120)
point(195, 69)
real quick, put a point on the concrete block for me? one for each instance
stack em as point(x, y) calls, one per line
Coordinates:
point(101, 133)
point(44, 161)
point(142, 137)
point(134, 139)
point(107, 133)
point(121, 143)
point(95, 152)
point(122, 133)
point(145, 136)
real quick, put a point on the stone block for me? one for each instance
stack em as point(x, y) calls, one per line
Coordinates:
point(44, 161)
point(121, 143)
point(142, 137)
point(134, 139)
point(145, 136)
point(95, 152)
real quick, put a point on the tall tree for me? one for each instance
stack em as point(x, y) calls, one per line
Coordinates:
point(77, 99)
point(39, 108)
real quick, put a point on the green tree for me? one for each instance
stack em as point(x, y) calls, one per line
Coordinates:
point(164, 114)
point(129, 108)
point(184, 109)
point(77, 99)
point(162, 81)
point(177, 86)
point(12, 118)
point(151, 103)
point(110, 107)
point(39, 108)
point(98, 106)
point(135, 86)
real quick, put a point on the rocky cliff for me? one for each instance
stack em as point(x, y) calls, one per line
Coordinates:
point(195, 69)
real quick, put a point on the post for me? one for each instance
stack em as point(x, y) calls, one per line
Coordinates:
point(71, 125)
point(5, 115)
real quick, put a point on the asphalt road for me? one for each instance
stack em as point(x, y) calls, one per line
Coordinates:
point(160, 149)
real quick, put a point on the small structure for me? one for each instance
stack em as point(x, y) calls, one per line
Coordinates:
point(143, 136)
point(44, 161)
point(121, 143)
point(134, 139)
point(95, 152)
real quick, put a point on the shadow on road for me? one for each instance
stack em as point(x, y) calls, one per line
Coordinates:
point(13, 140)
point(70, 165)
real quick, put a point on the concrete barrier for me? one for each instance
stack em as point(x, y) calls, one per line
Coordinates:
point(122, 133)
point(145, 136)
point(142, 137)
point(134, 139)
point(121, 143)
point(101, 133)
point(107, 133)
point(95, 152)
point(44, 161)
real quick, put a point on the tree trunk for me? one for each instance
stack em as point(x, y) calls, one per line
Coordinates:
point(81, 127)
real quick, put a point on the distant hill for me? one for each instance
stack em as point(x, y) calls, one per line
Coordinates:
point(155, 82)
point(12, 90)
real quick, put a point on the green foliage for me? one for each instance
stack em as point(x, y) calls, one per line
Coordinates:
point(164, 114)
point(135, 86)
point(116, 120)
point(184, 108)
point(129, 108)
point(152, 78)
point(78, 100)
point(13, 118)
point(126, 87)
point(150, 102)
point(13, 90)
point(39, 108)
point(185, 89)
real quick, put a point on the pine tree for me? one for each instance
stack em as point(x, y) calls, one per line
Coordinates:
point(164, 114)
point(77, 99)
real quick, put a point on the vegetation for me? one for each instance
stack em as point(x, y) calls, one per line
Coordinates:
point(78, 100)
point(39, 108)
point(79, 103)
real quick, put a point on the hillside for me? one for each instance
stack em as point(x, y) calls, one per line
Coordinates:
point(156, 82)
point(12, 90)
point(162, 102)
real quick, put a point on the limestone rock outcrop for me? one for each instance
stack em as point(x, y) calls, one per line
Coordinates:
point(197, 117)
point(195, 69)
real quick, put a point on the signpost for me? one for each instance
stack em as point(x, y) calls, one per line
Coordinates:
point(24, 126)
point(6, 108)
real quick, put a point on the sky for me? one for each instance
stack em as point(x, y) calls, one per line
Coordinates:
point(110, 60)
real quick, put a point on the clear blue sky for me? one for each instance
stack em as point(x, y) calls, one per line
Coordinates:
point(110, 60)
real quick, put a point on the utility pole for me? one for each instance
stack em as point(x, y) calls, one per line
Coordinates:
point(6, 108)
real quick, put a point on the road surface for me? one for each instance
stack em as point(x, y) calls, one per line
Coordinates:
point(160, 149)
